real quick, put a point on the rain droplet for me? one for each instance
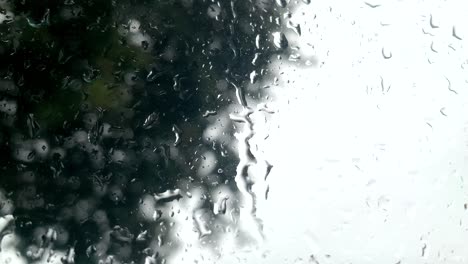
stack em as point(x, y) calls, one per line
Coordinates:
point(62, 59)
point(168, 195)
point(90, 250)
point(31, 155)
point(152, 75)
point(253, 77)
point(423, 250)
point(214, 11)
point(450, 86)
point(454, 34)
point(371, 5)
point(151, 121)
point(143, 236)
point(177, 133)
point(442, 111)
point(209, 113)
point(221, 205)
point(257, 41)
point(294, 57)
point(282, 3)
point(33, 125)
point(386, 56)
point(295, 27)
point(201, 218)
point(157, 214)
point(280, 41)
point(431, 22)
point(254, 61)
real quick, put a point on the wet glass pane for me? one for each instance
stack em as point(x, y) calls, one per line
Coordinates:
point(233, 131)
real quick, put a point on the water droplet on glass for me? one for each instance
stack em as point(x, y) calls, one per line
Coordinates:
point(431, 22)
point(157, 214)
point(282, 3)
point(294, 57)
point(253, 77)
point(454, 33)
point(201, 218)
point(371, 5)
point(257, 41)
point(33, 125)
point(295, 27)
point(177, 131)
point(220, 206)
point(168, 195)
point(254, 61)
point(209, 113)
point(151, 120)
point(214, 11)
point(143, 236)
point(153, 74)
point(386, 55)
point(279, 40)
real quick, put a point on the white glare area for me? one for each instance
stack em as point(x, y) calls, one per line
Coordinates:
point(370, 147)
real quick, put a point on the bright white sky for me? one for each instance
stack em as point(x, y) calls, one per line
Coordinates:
point(361, 175)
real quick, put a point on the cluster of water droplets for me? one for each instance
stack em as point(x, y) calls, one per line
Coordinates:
point(120, 152)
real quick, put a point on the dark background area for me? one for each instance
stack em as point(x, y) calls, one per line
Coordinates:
point(82, 89)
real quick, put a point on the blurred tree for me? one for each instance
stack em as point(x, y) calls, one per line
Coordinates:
point(92, 95)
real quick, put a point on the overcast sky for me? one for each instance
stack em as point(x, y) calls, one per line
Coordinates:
point(370, 145)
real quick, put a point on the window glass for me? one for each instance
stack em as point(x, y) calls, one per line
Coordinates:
point(233, 131)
